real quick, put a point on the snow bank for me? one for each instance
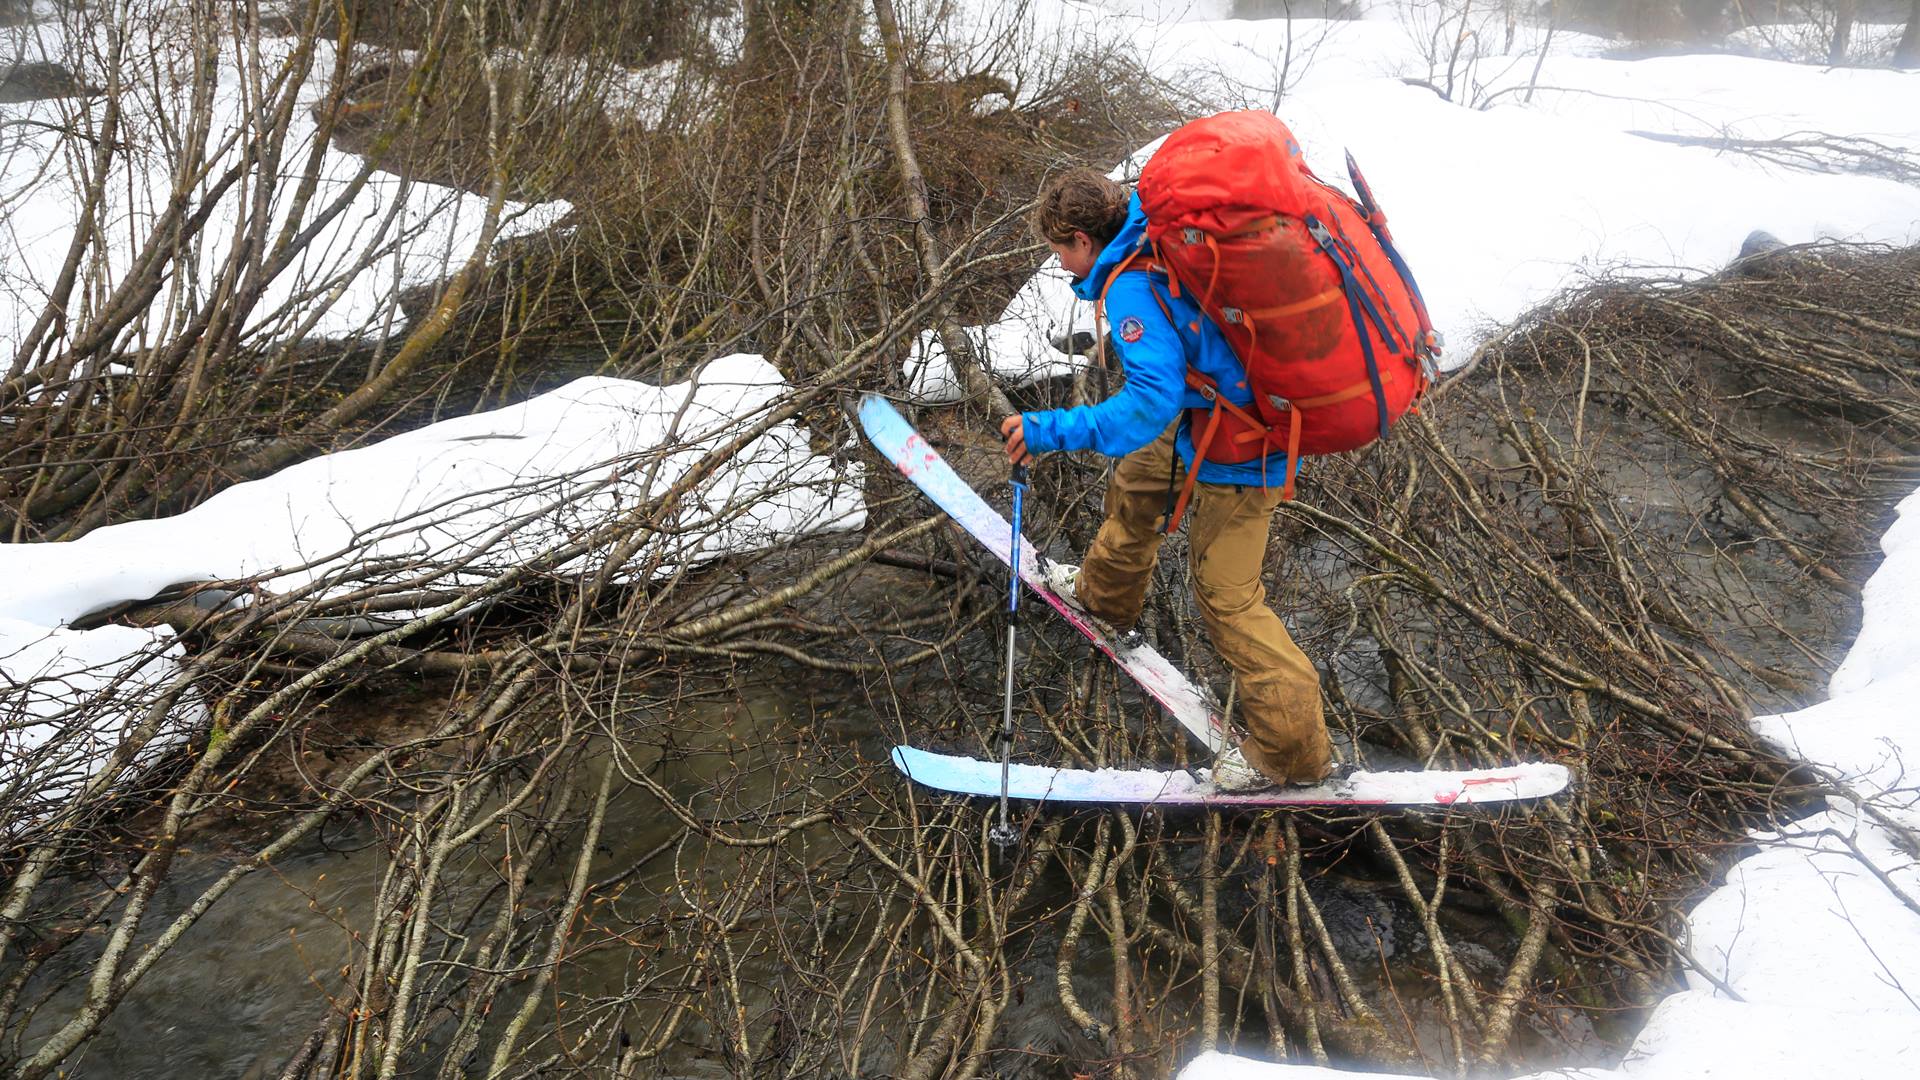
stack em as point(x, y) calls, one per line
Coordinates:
point(393, 234)
point(444, 506)
point(1887, 645)
point(71, 699)
point(1501, 205)
point(475, 494)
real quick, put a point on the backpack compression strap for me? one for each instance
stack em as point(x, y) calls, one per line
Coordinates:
point(1253, 428)
point(1430, 342)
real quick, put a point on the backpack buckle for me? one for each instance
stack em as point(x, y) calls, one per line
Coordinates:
point(1190, 235)
point(1279, 402)
point(1232, 315)
point(1429, 353)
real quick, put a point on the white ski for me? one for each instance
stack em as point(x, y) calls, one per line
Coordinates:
point(918, 462)
point(1470, 787)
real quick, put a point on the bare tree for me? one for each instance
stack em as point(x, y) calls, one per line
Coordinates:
point(616, 805)
point(1907, 53)
point(1843, 12)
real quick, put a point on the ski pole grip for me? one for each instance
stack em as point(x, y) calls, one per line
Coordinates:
point(1020, 474)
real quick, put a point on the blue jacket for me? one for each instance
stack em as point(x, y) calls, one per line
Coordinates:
point(1155, 354)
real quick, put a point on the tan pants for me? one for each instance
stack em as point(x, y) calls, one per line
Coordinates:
point(1278, 689)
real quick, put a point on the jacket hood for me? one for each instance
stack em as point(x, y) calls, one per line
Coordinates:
point(1131, 237)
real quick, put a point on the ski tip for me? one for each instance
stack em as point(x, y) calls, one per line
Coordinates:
point(918, 766)
point(881, 420)
point(941, 772)
point(874, 407)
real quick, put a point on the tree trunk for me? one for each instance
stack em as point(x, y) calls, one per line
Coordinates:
point(1842, 31)
point(968, 367)
point(1907, 54)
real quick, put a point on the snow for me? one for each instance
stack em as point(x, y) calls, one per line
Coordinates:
point(475, 494)
point(442, 507)
point(394, 233)
point(109, 678)
point(1015, 345)
point(1499, 201)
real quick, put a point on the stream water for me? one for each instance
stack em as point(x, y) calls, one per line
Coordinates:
point(247, 983)
point(244, 986)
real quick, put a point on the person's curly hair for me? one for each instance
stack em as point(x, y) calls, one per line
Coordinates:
point(1080, 200)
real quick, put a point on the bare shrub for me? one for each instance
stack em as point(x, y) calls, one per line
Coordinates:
point(616, 810)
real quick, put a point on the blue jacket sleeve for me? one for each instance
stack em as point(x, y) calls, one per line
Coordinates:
point(1156, 366)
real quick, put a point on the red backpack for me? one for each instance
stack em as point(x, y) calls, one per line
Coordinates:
point(1303, 282)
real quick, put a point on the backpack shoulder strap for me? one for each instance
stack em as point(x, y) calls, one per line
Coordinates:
point(1140, 262)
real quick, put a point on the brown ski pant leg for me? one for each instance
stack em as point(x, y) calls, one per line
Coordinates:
point(1278, 689)
point(1119, 564)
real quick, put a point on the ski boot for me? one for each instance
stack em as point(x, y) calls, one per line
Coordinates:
point(1060, 578)
point(1233, 774)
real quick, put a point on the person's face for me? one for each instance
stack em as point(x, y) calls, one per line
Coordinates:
point(1077, 255)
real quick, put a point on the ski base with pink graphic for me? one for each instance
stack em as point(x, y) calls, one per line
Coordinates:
point(1471, 787)
point(897, 440)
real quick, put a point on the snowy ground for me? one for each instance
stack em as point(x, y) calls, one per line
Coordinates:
point(1503, 199)
point(393, 233)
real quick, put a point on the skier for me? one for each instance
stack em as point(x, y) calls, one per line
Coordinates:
point(1095, 227)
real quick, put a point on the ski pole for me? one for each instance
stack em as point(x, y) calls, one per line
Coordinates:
point(1003, 833)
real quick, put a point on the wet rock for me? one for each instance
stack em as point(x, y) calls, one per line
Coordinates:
point(1078, 343)
point(1758, 242)
point(33, 81)
point(1360, 923)
point(1477, 958)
